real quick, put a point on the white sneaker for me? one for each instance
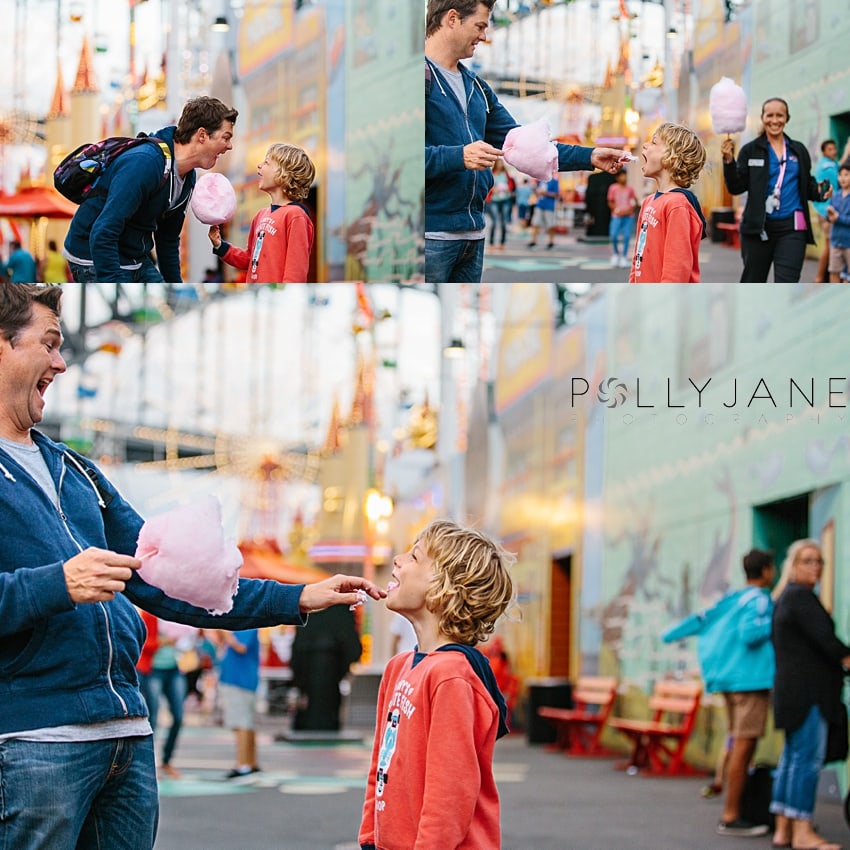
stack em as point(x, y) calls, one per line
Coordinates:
point(625, 263)
point(615, 260)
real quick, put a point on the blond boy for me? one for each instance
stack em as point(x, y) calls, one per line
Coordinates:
point(281, 236)
point(670, 223)
point(439, 709)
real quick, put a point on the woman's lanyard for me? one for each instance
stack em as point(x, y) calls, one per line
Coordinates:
point(778, 187)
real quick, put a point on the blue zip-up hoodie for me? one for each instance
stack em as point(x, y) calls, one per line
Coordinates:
point(66, 663)
point(734, 648)
point(454, 194)
point(127, 215)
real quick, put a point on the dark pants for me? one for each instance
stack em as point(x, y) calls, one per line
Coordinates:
point(785, 248)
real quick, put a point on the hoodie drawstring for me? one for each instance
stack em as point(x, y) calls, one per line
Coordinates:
point(8, 475)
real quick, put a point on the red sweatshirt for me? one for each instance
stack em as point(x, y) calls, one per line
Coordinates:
point(431, 778)
point(151, 644)
point(279, 246)
point(667, 246)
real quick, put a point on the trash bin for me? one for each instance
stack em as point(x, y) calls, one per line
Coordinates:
point(552, 692)
point(721, 215)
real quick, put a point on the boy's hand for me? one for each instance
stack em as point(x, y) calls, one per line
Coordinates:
point(727, 148)
point(215, 236)
point(831, 213)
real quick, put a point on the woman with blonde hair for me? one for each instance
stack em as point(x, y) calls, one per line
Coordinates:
point(810, 662)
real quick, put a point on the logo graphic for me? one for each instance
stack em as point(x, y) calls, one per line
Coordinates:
point(612, 393)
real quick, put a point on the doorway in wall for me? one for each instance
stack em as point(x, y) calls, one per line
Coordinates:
point(560, 620)
point(776, 525)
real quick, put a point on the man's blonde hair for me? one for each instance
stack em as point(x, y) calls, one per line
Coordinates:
point(685, 154)
point(471, 587)
point(295, 170)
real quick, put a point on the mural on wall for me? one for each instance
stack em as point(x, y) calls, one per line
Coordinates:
point(385, 125)
point(339, 79)
point(689, 487)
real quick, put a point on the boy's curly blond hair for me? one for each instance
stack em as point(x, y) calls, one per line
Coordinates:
point(471, 587)
point(295, 170)
point(685, 154)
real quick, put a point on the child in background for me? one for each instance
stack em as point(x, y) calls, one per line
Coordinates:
point(440, 711)
point(237, 689)
point(838, 213)
point(281, 236)
point(622, 202)
point(670, 224)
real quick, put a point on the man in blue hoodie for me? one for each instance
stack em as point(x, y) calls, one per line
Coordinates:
point(737, 660)
point(132, 210)
point(76, 747)
point(465, 127)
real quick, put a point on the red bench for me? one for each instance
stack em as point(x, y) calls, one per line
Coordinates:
point(731, 231)
point(659, 744)
point(579, 729)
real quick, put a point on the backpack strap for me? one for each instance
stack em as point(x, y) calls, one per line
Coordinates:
point(103, 497)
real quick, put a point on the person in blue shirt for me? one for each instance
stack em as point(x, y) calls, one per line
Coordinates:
point(826, 169)
point(139, 203)
point(238, 680)
point(838, 215)
point(775, 172)
point(20, 266)
point(543, 217)
point(737, 660)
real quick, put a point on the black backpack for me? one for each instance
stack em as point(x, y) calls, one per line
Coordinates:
point(77, 175)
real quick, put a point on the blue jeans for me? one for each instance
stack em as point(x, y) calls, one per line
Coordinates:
point(454, 261)
point(88, 795)
point(620, 229)
point(146, 273)
point(500, 213)
point(171, 684)
point(796, 782)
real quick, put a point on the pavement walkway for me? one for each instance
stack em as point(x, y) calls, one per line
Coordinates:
point(574, 260)
point(309, 796)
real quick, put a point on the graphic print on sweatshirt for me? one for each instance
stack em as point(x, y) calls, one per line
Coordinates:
point(641, 244)
point(266, 226)
point(387, 751)
point(399, 705)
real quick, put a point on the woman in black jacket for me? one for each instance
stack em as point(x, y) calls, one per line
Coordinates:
point(806, 695)
point(775, 171)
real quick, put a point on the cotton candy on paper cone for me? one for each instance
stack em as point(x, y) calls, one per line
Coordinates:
point(727, 104)
point(529, 150)
point(185, 554)
point(213, 199)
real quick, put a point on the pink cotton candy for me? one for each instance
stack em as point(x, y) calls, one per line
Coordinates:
point(727, 104)
point(213, 200)
point(185, 554)
point(529, 150)
point(176, 631)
